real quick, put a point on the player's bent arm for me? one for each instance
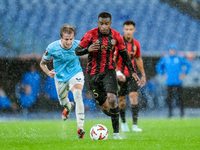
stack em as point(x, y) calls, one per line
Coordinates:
point(81, 51)
point(114, 58)
point(43, 66)
point(127, 61)
point(139, 62)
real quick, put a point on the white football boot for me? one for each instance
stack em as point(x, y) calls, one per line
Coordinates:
point(136, 129)
point(116, 136)
point(124, 127)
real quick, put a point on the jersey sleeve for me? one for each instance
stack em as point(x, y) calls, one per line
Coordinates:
point(187, 65)
point(85, 40)
point(160, 67)
point(47, 53)
point(120, 45)
point(138, 53)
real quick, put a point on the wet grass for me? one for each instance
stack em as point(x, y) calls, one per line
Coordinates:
point(158, 134)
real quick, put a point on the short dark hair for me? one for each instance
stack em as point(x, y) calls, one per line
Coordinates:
point(129, 22)
point(105, 15)
point(67, 29)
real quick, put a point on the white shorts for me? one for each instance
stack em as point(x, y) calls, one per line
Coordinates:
point(64, 87)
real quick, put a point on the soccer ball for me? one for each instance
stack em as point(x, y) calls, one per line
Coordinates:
point(99, 132)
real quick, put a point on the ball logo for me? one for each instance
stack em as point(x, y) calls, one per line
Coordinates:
point(92, 133)
point(100, 128)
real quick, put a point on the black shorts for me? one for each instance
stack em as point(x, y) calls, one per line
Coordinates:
point(127, 87)
point(101, 84)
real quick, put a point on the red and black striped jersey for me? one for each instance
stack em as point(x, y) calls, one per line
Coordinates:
point(133, 49)
point(102, 59)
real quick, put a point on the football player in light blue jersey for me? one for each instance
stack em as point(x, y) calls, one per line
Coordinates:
point(65, 62)
point(67, 73)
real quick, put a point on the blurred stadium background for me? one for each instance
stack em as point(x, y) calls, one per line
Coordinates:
point(27, 27)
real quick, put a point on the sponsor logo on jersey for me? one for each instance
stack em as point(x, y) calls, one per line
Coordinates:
point(105, 47)
point(78, 79)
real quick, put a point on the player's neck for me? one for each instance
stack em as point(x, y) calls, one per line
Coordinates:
point(128, 39)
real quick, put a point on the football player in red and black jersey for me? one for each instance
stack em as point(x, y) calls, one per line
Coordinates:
point(100, 44)
point(126, 83)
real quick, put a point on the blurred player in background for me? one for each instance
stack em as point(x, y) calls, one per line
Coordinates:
point(29, 89)
point(67, 73)
point(174, 68)
point(5, 103)
point(126, 83)
point(100, 43)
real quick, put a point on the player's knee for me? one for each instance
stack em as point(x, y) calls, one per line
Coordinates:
point(133, 98)
point(122, 105)
point(134, 103)
point(122, 102)
point(133, 95)
point(112, 100)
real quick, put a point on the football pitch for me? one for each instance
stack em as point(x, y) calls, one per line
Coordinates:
point(157, 134)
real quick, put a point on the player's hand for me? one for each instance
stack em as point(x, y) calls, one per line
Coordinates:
point(94, 47)
point(52, 73)
point(137, 79)
point(182, 77)
point(121, 78)
point(143, 81)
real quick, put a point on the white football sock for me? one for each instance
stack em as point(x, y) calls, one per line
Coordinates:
point(80, 116)
point(65, 103)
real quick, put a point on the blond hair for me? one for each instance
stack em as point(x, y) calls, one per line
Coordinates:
point(67, 29)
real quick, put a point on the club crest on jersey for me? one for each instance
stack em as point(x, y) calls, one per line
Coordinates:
point(134, 48)
point(46, 52)
point(113, 42)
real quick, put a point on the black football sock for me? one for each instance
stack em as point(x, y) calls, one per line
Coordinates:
point(115, 119)
point(134, 110)
point(123, 115)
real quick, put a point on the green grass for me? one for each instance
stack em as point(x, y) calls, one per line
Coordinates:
point(158, 134)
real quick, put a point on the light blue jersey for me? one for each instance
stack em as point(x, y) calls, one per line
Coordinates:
point(65, 61)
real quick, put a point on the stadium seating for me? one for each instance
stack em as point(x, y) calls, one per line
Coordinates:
point(29, 26)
